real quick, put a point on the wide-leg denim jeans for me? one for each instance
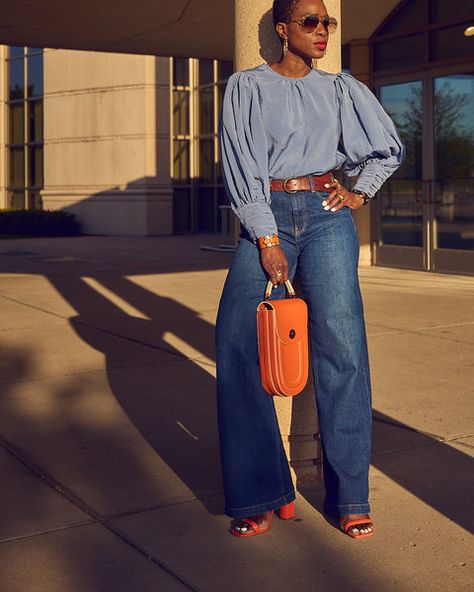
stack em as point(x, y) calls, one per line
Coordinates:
point(323, 247)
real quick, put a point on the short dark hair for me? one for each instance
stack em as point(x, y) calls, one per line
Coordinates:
point(283, 10)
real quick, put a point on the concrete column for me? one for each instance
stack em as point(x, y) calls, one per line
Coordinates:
point(360, 69)
point(256, 41)
point(103, 141)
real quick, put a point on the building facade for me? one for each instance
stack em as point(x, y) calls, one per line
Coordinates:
point(128, 143)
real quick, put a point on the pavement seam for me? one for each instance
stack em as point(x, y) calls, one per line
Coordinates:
point(403, 426)
point(394, 423)
point(426, 328)
point(416, 446)
point(31, 535)
point(144, 509)
point(101, 370)
point(74, 499)
point(421, 332)
point(116, 516)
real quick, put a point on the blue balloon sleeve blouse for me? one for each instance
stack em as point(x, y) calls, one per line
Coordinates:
point(275, 127)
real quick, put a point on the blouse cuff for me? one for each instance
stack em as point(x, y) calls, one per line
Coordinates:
point(258, 219)
point(373, 174)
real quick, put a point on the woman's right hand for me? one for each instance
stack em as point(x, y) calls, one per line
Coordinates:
point(275, 264)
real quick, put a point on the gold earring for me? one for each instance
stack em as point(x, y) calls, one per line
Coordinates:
point(285, 45)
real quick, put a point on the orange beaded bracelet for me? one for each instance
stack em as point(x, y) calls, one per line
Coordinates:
point(269, 240)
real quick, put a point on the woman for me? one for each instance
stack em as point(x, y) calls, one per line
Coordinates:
point(284, 127)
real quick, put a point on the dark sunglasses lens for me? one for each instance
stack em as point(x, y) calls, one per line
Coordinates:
point(310, 23)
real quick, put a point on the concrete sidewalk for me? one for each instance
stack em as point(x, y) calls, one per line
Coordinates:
point(109, 456)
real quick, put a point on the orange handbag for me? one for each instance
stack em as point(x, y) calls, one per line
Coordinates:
point(283, 343)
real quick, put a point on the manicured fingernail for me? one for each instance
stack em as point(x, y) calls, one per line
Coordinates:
point(325, 203)
point(326, 207)
point(326, 185)
point(333, 209)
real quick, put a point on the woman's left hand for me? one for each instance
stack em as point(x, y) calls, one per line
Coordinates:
point(341, 197)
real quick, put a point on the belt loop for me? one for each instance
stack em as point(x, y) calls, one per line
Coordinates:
point(311, 183)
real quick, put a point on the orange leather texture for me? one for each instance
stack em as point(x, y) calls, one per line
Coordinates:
point(283, 345)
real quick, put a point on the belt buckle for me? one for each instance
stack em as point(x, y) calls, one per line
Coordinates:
point(288, 190)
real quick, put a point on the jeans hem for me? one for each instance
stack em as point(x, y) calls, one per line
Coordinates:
point(246, 511)
point(340, 509)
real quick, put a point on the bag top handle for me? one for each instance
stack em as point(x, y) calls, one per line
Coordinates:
point(289, 287)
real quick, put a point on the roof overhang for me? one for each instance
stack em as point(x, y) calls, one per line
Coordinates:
point(183, 28)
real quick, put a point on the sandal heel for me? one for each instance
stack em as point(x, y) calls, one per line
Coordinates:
point(286, 512)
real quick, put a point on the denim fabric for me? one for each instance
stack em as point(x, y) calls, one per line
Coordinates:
point(323, 247)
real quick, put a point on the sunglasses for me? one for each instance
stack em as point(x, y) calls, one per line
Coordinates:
point(310, 23)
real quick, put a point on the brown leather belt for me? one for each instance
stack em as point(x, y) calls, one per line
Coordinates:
point(301, 183)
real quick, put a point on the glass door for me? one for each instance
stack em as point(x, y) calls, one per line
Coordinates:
point(399, 210)
point(452, 192)
point(424, 214)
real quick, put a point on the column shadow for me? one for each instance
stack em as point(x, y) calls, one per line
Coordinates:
point(169, 399)
point(438, 474)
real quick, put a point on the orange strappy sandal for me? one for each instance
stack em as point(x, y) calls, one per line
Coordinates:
point(348, 525)
point(284, 513)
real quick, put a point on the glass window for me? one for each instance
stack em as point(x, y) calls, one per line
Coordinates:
point(410, 48)
point(399, 53)
point(16, 73)
point(404, 104)
point(181, 210)
point(218, 166)
point(450, 43)
point(206, 160)
point(195, 201)
point(17, 123)
point(205, 210)
point(454, 161)
point(441, 10)
point(36, 121)
point(400, 196)
point(15, 52)
point(455, 214)
point(224, 69)
point(206, 110)
point(346, 58)
point(409, 18)
point(454, 116)
point(34, 200)
point(181, 112)
point(206, 72)
point(25, 149)
point(224, 213)
point(36, 166)
point(35, 76)
point(17, 167)
point(181, 171)
point(220, 96)
point(222, 199)
point(181, 71)
point(17, 200)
